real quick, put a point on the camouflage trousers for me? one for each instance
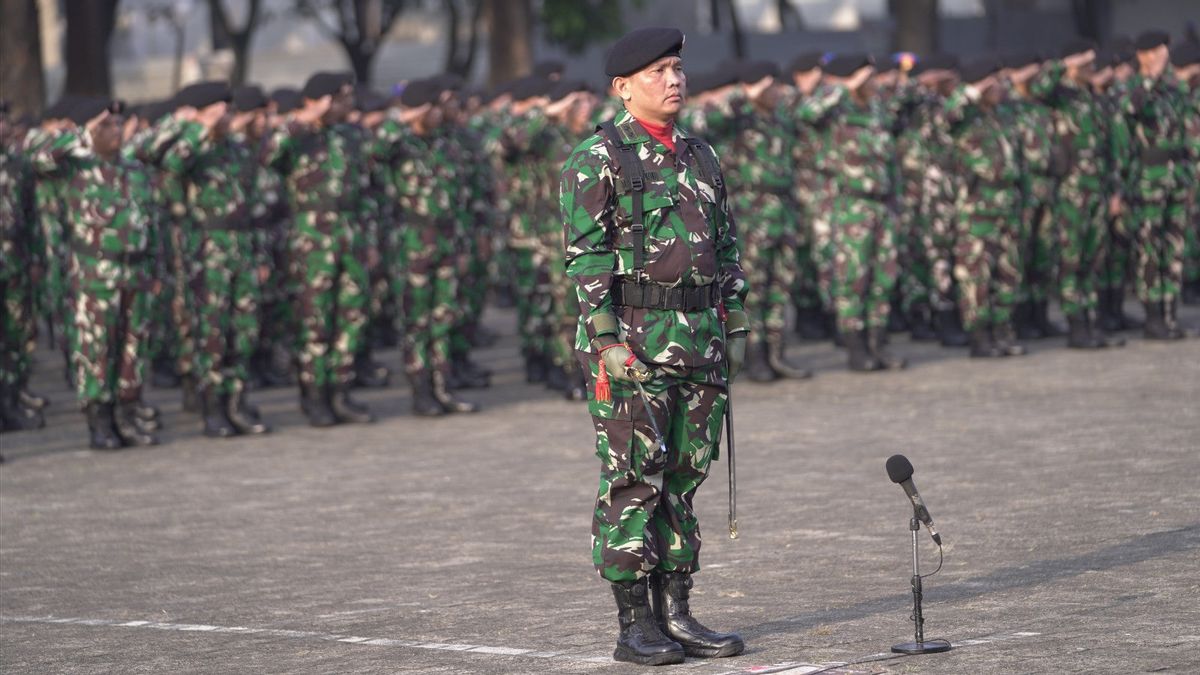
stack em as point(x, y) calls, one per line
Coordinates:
point(1159, 220)
point(279, 323)
point(327, 259)
point(1037, 241)
point(1191, 242)
point(429, 288)
point(225, 296)
point(111, 322)
point(916, 276)
point(939, 236)
point(1116, 268)
point(768, 255)
point(986, 268)
point(564, 315)
point(644, 517)
point(1081, 212)
point(181, 308)
point(16, 325)
point(820, 218)
point(865, 263)
point(534, 289)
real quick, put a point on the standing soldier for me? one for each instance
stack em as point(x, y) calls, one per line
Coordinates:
point(1186, 61)
point(1160, 180)
point(860, 144)
point(652, 249)
point(324, 168)
point(105, 207)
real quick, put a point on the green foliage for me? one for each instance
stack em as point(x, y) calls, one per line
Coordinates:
point(576, 24)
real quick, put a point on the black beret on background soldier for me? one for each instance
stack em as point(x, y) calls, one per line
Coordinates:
point(651, 247)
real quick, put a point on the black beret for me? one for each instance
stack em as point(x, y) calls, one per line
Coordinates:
point(249, 97)
point(565, 88)
point(61, 109)
point(1076, 47)
point(86, 109)
point(1021, 59)
point(1151, 39)
point(725, 75)
point(152, 112)
point(1186, 54)
point(421, 92)
point(1106, 58)
point(935, 62)
point(449, 81)
point(884, 63)
point(286, 100)
point(326, 84)
point(1120, 43)
point(368, 100)
point(750, 72)
point(548, 68)
point(979, 68)
point(805, 61)
point(640, 48)
point(203, 94)
point(845, 65)
point(531, 87)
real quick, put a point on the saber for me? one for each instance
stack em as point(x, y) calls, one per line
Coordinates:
point(662, 442)
point(733, 531)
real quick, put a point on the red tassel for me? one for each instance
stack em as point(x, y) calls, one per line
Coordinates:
point(603, 388)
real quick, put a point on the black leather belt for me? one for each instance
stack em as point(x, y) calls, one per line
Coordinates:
point(1160, 156)
point(657, 296)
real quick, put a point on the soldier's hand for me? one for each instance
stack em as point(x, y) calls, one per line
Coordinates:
point(735, 354)
point(623, 365)
point(373, 258)
point(264, 273)
point(1115, 206)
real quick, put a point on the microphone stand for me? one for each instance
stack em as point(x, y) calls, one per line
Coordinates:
point(919, 646)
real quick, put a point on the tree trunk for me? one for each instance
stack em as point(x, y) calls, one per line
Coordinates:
point(735, 30)
point(1093, 19)
point(451, 62)
point(21, 78)
point(510, 47)
point(241, 61)
point(916, 25)
point(361, 60)
point(89, 28)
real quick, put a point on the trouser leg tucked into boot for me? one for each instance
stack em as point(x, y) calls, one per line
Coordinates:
point(671, 609)
point(757, 368)
point(778, 360)
point(641, 640)
point(860, 359)
point(877, 346)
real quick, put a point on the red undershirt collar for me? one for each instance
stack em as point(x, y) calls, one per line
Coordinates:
point(662, 133)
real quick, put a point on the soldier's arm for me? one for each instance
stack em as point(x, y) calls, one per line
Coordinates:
point(55, 151)
point(817, 107)
point(150, 148)
point(1044, 86)
point(277, 151)
point(587, 200)
point(180, 154)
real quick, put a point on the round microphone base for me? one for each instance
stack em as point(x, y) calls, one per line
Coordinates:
point(929, 647)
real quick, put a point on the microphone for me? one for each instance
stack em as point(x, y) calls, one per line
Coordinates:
point(900, 470)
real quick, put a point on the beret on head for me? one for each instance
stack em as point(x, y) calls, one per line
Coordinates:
point(367, 100)
point(531, 86)
point(1106, 58)
point(884, 63)
point(725, 75)
point(845, 65)
point(750, 72)
point(248, 98)
point(935, 62)
point(565, 88)
point(804, 62)
point(549, 69)
point(421, 92)
point(1076, 47)
point(1021, 59)
point(1151, 39)
point(326, 84)
point(152, 112)
point(203, 94)
point(86, 109)
point(639, 48)
point(1186, 54)
point(286, 100)
point(979, 69)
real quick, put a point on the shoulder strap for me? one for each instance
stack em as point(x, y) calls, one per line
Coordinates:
point(633, 179)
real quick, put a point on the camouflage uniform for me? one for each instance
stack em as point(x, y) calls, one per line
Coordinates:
point(806, 190)
point(105, 204)
point(53, 235)
point(1191, 254)
point(915, 152)
point(18, 229)
point(644, 519)
point(1042, 162)
point(865, 266)
point(325, 172)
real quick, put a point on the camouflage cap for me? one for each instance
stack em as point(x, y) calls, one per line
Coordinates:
point(641, 47)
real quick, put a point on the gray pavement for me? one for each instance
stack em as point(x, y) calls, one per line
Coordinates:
point(1064, 483)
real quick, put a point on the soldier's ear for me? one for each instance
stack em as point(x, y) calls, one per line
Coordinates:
point(622, 86)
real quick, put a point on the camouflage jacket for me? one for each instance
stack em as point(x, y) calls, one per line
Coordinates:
point(105, 206)
point(424, 191)
point(859, 142)
point(18, 225)
point(218, 176)
point(1079, 123)
point(690, 240)
point(1156, 111)
point(324, 168)
point(760, 156)
point(989, 158)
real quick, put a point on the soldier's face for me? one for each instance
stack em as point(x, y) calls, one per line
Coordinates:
point(1153, 61)
point(656, 92)
point(340, 105)
point(106, 133)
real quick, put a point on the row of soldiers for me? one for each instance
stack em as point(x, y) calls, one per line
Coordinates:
point(928, 195)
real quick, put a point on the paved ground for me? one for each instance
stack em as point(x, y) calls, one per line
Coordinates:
point(1064, 483)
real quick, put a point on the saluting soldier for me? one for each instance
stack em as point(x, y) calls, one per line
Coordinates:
point(652, 249)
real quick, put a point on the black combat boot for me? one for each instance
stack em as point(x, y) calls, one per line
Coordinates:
point(162, 373)
point(1117, 309)
point(212, 409)
point(1005, 339)
point(1191, 292)
point(370, 373)
point(556, 379)
point(877, 347)
point(130, 427)
point(29, 399)
point(897, 321)
point(1108, 320)
point(1025, 327)
point(100, 424)
point(670, 590)
point(982, 345)
point(1041, 318)
point(1079, 334)
point(1104, 337)
point(779, 363)
point(811, 323)
point(535, 367)
point(469, 374)
point(346, 409)
point(641, 640)
point(191, 396)
point(314, 403)
point(920, 323)
point(277, 367)
point(860, 359)
point(16, 416)
point(424, 403)
point(146, 415)
point(1158, 323)
point(757, 368)
point(447, 400)
point(949, 329)
point(243, 416)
